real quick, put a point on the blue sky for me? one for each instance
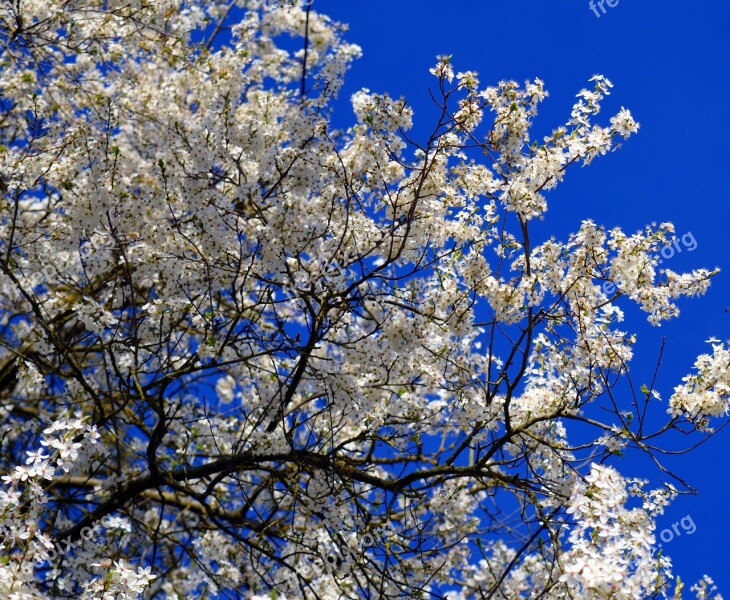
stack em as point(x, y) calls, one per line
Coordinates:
point(669, 62)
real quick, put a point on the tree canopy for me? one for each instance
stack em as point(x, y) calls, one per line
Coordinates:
point(245, 353)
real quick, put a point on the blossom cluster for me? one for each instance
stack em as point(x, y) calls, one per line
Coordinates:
point(705, 393)
point(26, 545)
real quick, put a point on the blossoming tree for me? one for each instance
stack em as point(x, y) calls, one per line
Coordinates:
point(242, 351)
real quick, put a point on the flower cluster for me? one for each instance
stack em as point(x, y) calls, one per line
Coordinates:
point(705, 393)
point(24, 543)
point(612, 547)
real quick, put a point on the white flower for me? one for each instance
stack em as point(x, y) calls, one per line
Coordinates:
point(624, 123)
point(443, 68)
point(35, 456)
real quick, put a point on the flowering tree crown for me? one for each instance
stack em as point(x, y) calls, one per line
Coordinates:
point(243, 350)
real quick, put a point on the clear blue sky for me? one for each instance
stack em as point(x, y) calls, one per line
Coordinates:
point(670, 63)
